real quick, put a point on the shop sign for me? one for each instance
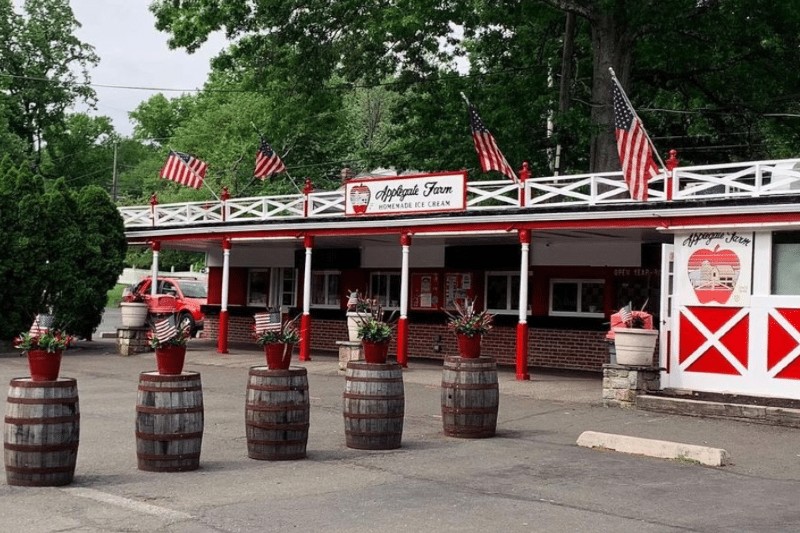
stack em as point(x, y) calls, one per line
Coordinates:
point(402, 195)
point(714, 268)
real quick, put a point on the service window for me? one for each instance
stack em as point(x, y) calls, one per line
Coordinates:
point(385, 287)
point(786, 263)
point(257, 287)
point(502, 292)
point(325, 289)
point(576, 297)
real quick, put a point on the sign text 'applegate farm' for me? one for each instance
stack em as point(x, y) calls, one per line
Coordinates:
point(399, 195)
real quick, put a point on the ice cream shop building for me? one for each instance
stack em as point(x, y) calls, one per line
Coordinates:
point(713, 254)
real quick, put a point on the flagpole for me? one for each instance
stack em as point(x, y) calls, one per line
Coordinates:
point(203, 181)
point(636, 116)
point(464, 96)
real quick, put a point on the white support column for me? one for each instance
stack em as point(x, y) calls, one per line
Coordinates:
point(156, 245)
point(522, 327)
point(222, 338)
point(402, 324)
point(305, 319)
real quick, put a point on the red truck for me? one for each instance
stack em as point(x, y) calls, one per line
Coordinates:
point(189, 294)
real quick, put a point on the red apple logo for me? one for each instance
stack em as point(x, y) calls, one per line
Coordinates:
point(359, 198)
point(713, 274)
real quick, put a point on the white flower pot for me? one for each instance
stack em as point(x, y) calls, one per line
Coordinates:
point(635, 347)
point(354, 320)
point(134, 314)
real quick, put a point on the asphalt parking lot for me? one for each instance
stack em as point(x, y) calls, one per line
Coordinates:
point(530, 477)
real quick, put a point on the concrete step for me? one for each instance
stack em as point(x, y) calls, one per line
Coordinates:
point(758, 414)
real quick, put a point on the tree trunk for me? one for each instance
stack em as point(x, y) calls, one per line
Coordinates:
point(612, 46)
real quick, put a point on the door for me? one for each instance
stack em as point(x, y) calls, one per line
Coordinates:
point(665, 310)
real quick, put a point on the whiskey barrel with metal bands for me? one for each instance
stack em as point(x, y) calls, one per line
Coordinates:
point(374, 406)
point(169, 422)
point(42, 427)
point(277, 413)
point(470, 397)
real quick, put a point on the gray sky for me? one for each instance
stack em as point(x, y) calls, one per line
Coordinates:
point(134, 54)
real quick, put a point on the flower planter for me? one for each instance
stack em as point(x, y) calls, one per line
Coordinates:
point(469, 347)
point(279, 355)
point(354, 320)
point(170, 358)
point(635, 347)
point(44, 365)
point(375, 352)
point(134, 314)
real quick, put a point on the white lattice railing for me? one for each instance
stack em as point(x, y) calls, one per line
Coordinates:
point(733, 180)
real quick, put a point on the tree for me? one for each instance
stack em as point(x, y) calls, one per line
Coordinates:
point(719, 60)
point(81, 150)
point(45, 67)
point(64, 251)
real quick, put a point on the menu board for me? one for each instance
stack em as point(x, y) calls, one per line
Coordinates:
point(425, 291)
point(457, 288)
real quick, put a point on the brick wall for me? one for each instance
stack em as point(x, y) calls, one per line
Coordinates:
point(550, 348)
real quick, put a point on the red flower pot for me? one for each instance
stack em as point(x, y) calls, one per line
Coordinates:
point(279, 355)
point(375, 352)
point(44, 366)
point(469, 347)
point(170, 358)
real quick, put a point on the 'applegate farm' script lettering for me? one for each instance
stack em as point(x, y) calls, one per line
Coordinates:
point(388, 193)
point(728, 237)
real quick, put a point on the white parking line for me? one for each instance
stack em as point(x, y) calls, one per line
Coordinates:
point(127, 503)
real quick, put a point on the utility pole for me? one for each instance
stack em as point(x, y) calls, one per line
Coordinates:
point(114, 176)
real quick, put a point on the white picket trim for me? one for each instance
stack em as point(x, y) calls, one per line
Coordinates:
point(731, 180)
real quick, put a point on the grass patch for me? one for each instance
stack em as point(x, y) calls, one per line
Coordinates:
point(114, 296)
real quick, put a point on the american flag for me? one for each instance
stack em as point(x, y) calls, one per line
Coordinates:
point(626, 314)
point(165, 330)
point(267, 322)
point(184, 169)
point(489, 154)
point(635, 153)
point(38, 328)
point(267, 161)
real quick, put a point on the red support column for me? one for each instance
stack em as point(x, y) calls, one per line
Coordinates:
point(402, 342)
point(224, 197)
point(671, 163)
point(522, 326)
point(305, 337)
point(305, 319)
point(522, 352)
point(222, 336)
point(402, 323)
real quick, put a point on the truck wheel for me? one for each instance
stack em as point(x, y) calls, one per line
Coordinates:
point(185, 321)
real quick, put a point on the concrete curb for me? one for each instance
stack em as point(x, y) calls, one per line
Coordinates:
point(654, 448)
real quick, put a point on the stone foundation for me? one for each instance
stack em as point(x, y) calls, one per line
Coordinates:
point(348, 351)
point(623, 383)
point(131, 341)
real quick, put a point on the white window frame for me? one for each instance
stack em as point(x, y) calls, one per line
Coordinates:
point(380, 297)
point(576, 313)
point(276, 293)
point(509, 274)
point(327, 274)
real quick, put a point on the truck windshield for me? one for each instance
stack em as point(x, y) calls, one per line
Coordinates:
point(193, 289)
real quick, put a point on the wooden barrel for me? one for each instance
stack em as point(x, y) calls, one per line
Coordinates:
point(169, 422)
point(42, 427)
point(470, 397)
point(276, 413)
point(374, 405)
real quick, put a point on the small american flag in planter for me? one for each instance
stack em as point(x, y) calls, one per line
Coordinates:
point(269, 321)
